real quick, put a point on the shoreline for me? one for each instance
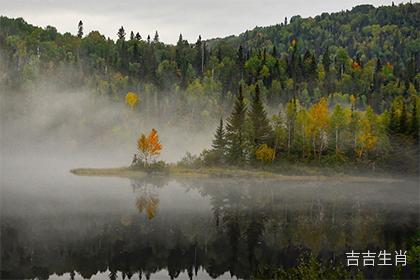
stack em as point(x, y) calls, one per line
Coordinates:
point(229, 173)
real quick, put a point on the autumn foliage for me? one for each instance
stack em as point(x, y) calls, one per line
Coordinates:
point(148, 203)
point(265, 154)
point(131, 99)
point(148, 146)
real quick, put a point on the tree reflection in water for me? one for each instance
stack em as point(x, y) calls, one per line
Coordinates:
point(253, 230)
point(147, 194)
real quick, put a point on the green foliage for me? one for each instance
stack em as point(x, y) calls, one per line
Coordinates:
point(190, 161)
point(356, 52)
point(413, 256)
point(368, 53)
point(309, 268)
point(261, 131)
point(156, 167)
point(235, 134)
point(219, 144)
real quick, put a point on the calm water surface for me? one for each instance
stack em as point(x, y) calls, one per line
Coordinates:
point(60, 226)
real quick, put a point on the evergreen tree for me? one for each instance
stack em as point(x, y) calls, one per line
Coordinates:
point(121, 33)
point(199, 56)
point(138, 36)
point(309, 65)
point(274, 52)
point(219, 143)
point(235, 131)
point(261, 130)
point(393, 120)
point(403, 119)
point(326, 60)
point(241, 60)
point(80, 29)
point(414, 121)
point(156, 38)
point(131, 35)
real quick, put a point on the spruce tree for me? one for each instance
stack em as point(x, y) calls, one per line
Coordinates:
point(219, 143)
point(156, 38)
point(261, 130)
point(403, 119)
point(326, 60)
point(80, 29)
point(198, 62)
point(121, 33)
point(414, 121)
point(393, 120)
point(235, 131)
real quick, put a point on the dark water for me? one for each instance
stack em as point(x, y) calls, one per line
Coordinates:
point(57, 225)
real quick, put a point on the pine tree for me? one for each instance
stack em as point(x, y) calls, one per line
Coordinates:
point(235, 131)
point(414, 121)
point(199, 56)
point(219, 143)
point(131, 35)
point(261, 129)
point(121, 33)
point(80, 29)
point(138, 36)
point(326, 60)
point(274, 52)
point(309, 65)
point(403, 119)
point(156, 38)
point(393, 120)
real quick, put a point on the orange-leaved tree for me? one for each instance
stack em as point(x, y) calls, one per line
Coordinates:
point(149, 147)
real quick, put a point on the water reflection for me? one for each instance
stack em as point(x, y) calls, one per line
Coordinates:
point(147, 194)
point(251, 230)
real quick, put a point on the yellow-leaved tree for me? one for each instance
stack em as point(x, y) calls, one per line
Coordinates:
point(148, 146)
point(264, 153)
point(131, 99)
point(366, 140)
point(319, 126)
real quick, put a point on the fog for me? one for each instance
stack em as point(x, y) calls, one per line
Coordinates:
point(63, 124)
point(55, 224)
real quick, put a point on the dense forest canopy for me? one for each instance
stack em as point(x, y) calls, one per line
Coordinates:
point(370, 52)
point(362, 65)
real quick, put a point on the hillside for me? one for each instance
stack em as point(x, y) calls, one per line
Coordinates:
point(370, 53)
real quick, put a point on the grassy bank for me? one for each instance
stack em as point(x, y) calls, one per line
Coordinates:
point(125, 172)
point(230, 172)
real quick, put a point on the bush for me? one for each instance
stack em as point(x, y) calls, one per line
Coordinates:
point(154, 167)
point(191, 161)
point(210, 158)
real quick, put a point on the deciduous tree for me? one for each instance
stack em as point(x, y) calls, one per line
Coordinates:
point(148, 147)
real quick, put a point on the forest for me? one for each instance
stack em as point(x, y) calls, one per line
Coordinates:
point(335, 88)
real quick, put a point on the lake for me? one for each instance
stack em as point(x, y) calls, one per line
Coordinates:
point(60, 226)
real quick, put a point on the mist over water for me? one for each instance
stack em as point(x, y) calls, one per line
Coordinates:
point(54, 223)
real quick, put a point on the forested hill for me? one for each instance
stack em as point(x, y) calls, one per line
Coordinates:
point(371, 53)
point(346, 29)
